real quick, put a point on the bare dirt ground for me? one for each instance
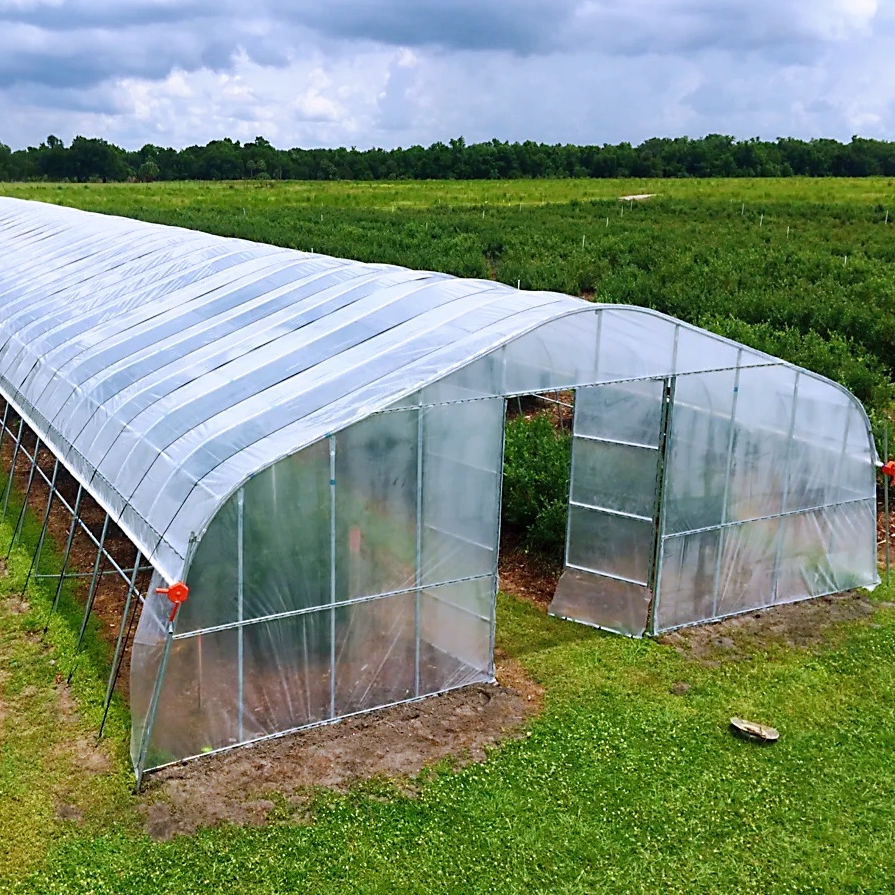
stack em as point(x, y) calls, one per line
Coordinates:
point(526, 575)
point(244, 786)
point(800, 625)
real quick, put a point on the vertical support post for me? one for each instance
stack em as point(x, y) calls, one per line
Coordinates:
point(565, 556)
point(418, 578)
point(12, 469)
point(240, 608)
point(3, 427)
point(91, 594)
point(122, 639)
point(837, 478)
point(153, 708)
point(495, 569)
point(886, 503)
point(332, 576)
point(674, 348)
point(655, 575)
point(21, 520)
point(778, 552)
point(71, 538)
point(51, 493)
point(722, 531)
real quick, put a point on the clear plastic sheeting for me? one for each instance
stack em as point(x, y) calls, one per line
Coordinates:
point(602, 602)
point(316, 446)
point(357, 573)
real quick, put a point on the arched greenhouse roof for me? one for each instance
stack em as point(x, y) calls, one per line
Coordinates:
point(165, 367)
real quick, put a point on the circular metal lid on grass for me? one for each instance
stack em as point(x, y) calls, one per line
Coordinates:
point(757, 733)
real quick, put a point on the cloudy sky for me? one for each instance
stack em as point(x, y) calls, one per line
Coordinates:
point(399, 72)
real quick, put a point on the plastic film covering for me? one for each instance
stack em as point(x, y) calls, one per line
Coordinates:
point(769, 494)
point(357, 573)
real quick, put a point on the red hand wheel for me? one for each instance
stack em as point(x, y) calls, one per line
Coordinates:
point(177, 593)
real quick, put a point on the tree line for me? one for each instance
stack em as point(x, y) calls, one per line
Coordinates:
point(91, 159)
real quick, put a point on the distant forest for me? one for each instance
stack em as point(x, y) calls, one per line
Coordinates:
point(89, 159)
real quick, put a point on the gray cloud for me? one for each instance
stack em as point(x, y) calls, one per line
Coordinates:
point(523, 27)
point(88, 41)
point(91, 14)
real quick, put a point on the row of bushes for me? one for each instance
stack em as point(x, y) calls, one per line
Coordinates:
point(537, 460)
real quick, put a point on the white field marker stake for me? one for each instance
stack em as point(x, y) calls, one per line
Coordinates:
point(518, 284)
point(787, 232)
point(743, 210)
point(607, 222)
point(582, 242)
point(761, 220)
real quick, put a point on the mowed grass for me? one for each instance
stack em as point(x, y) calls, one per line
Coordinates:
point(620, 786)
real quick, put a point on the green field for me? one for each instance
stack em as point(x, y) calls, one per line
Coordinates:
point(798, 267)
point(621, 785)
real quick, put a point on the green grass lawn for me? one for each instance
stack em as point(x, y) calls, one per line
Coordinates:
point(620, 786)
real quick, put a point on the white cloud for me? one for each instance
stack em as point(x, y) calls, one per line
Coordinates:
point(388, 72)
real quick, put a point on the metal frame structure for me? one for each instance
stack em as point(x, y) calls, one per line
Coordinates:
point(128, 575)
point(166, 376)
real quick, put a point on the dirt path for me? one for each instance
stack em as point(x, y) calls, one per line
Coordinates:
point(806, 624)
point(244, 786)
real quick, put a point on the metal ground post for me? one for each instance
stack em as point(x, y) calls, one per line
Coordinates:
point(12, 469)
point(91, 594)
point(21, 520)
point(71, 538)
point(122, 638)
point(886, 503)
point(35, 560)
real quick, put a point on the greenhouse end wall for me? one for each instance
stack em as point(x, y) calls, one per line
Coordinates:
point(700, 496)
point(357, 573)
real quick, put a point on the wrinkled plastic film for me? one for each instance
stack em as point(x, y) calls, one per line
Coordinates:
point(402, 624)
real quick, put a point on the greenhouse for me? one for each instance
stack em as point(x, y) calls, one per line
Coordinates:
point(314, 448)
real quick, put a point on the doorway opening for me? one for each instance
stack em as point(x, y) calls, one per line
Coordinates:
point(535, 495)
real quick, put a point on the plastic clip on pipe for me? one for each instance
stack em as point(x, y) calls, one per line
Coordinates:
point(889, 470)
point(177, 593)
